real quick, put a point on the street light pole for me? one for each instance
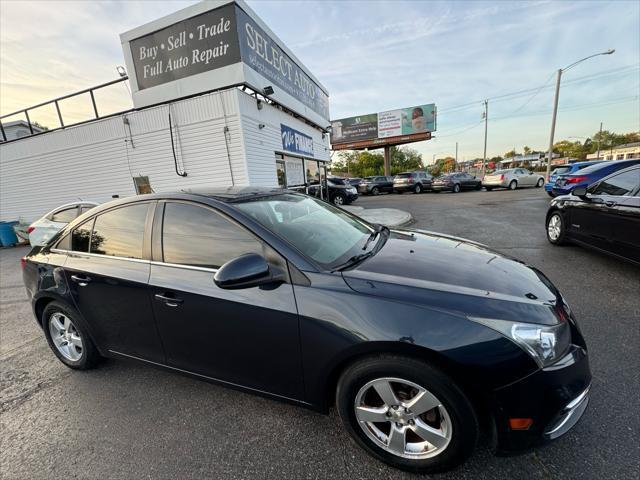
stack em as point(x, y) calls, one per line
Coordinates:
point(555, 104)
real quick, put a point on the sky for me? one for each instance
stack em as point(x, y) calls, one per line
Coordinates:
point(375, 56)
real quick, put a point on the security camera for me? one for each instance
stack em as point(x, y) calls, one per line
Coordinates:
point(268, 90)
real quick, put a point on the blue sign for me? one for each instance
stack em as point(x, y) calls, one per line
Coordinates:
point(295, 141)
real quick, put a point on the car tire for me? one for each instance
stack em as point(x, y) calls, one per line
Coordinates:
point(479, 186)
point(556, 231)
point(456, 188)
point(375, 191)
point(453, 418)
point(417, 189)
point(74, 348)
point(551, 194)
point(540, 183)
point(488, 189)
point(339, 199)
point(513, 185)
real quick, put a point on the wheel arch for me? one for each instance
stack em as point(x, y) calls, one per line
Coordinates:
point(375, 349)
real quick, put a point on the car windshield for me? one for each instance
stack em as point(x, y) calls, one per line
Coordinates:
point(320, 231)
point(560, 170)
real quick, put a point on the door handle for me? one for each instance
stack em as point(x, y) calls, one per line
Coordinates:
point(169, 301)
point(610, 203)
point(80, 280)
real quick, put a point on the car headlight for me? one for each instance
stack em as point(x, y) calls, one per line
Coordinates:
point(546, 344)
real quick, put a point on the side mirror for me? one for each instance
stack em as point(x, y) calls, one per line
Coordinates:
point(250, 270)
point(580, 192)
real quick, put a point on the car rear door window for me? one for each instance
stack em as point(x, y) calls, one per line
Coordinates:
point(120, 232)
point(622, 184)
point(198, 236)
point(65, 216)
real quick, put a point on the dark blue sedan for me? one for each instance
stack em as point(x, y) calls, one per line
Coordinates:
point(567, 169)
point(566, 183)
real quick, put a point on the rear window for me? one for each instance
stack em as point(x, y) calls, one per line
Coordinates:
point(595, 167)
point(337, 181)
point(404, 175)
point(65, 216)
point(120, 232)
point(560, 170)
point(500, 172)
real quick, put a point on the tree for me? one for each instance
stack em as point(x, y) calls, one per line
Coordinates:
point(510, 154)
point(367, 164)
point(527, 150)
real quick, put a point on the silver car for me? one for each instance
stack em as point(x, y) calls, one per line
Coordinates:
point(512, 178)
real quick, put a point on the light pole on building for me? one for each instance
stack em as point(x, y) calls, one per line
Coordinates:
point(555, 103)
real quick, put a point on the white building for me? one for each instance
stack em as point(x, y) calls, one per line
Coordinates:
point(621, 152)
point(238, 135)
point(18, 129)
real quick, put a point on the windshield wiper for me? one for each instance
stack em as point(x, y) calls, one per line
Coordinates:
point(377, 229)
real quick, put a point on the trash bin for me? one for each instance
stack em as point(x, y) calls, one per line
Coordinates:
point(7, 235)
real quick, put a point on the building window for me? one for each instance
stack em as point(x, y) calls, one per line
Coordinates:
point(631, 155)
point(142, 185)
point(620, 156)
point(282, 176)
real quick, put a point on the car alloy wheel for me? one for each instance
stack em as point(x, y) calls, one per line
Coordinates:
point(456, 188)
point(338, 200)
point(513, 185)
point(540, 183)
point(375, 191)
point(555, 228)
point(66, 337)
point(418, 189)
point(403, 418)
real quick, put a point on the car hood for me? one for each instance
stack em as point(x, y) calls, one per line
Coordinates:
point(458, 275)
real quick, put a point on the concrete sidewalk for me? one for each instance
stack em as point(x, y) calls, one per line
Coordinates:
point(389, 217)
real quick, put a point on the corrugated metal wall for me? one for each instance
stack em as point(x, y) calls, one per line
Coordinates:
point(97, 160)
point(261, 144)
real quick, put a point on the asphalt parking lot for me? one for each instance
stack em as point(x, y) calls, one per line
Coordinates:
point(126, 420)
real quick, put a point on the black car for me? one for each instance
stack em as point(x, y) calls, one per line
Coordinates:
point(341, 192)
point(455, 182)
point(416, 182)
point(605, 215)
point(354, 181)
point(420, 340)
point(375, 185)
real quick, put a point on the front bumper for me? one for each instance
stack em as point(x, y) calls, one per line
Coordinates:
point(555, 398)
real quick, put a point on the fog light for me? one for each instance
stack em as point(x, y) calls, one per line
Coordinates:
point(520, 423)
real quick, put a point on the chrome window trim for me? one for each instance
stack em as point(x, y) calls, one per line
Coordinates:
point(137, 260)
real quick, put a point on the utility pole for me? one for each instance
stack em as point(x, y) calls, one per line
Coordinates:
point(486, 119)
point(455, 163)
point(599, 140)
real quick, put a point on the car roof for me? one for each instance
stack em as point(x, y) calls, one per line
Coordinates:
point(236, 194)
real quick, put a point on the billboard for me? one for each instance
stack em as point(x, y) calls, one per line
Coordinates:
point(420, 119)
point(213, 45)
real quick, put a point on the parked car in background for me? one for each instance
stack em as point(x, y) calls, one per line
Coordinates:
point(41, 231)
point(605, 215)
point(416, 182)
point(287, 296)
point(375, 185)
point(341, 192)
point(588, 175)
point(455, 182)
point(512, 178)
point(355, 181)
point(565, 170)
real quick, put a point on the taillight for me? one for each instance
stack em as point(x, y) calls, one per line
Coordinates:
point(30, 229)
point(578, 179)
point(23, 262)
point(501, 177)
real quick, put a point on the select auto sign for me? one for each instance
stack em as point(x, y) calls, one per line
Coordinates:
point(219, 38)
